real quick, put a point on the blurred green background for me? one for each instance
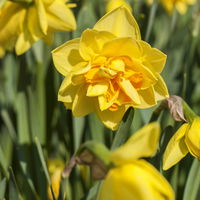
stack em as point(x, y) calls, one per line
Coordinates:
point(35, 128)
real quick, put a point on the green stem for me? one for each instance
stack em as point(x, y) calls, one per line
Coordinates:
point(151, 20)
point(188, 112)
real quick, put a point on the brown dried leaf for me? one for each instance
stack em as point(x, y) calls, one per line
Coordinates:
point(174, 104)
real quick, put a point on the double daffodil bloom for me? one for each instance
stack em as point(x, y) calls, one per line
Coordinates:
point(110, 69)
point(179, 5)
point(25, 22)
point(133, 178)
point(186, 139)
point(113, 4)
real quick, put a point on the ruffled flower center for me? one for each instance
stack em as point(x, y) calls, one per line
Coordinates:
point(114, 80)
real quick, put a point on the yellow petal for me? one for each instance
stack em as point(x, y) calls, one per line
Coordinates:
point(122, 47)
point(2, 52)
point(33, 24)
point(66, 56)
point(111, 119)
point(160, 89)
point(135, 181)
point(12, 17)
point(60, 17)
point(192, 138)
point(92, 41)
point(67, 91)
point(154, 58)
point(176, 148)
point(143, 143)
point(181, 7)
point(97, 89)
point(113, 4)
point(24, 41)
point(129, 90)
point(41, 16)
point(119, 22)
point(105, 103)
point(82, 105)
point(147, 98)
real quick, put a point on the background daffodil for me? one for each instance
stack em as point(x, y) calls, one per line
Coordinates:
point(110, 69)
point(186, 139)
point(112, 4)
point(23, 23)
point(134, 178)
point(179, 5)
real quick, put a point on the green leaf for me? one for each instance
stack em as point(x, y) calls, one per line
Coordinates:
point(14, 193)
point(92, 194)
point(96, 128)
point(123, 132)
point(2, 188)
point(3, 164)
point(86, 19)
point(22, 119)
point(78, 126)
point(193, 182)
point(44, 166)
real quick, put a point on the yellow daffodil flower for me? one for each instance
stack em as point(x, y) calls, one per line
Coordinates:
point(186, 139)
point(113, 4)
point(133, 178)
point(24, 23)
point(55, 168)
point(180, 5)
point(110, 69)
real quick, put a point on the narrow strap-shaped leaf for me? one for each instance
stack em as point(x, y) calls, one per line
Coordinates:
point(3, 164)
point(193, 182)
point(44, 166)
point(14, 193)
point(122, 133)
point(2, 188)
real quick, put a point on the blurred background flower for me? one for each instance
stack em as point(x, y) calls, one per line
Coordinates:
point(134, 178)
point(25, 22)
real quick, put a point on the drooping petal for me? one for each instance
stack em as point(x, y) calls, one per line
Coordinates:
point(12, 18)
point(32, 18)
point(135, 181)
point(92, 41)
point(60, 17)
point(143, 143)
point(192, 138)
point(176, 148)
point(119, 22)
point(41, 16)
point(82, 105)
point(111, 119)
point(24, 41)
point(66, 56)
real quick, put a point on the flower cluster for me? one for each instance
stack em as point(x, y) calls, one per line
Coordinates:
point(179, 5)
point(25, 22)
